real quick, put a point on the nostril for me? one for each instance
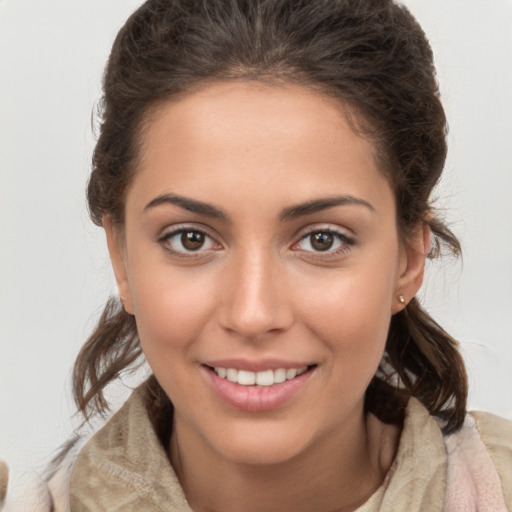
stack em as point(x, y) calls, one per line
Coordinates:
point(253, 321)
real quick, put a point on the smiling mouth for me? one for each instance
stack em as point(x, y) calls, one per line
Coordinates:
point(264, 378)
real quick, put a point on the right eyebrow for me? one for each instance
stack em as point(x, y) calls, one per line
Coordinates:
point(191, 205)
point(317, 205)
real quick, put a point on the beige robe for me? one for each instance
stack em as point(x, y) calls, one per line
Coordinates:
point(125, 468)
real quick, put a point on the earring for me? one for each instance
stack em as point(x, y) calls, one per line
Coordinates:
point(401, 299)
point(123, 299)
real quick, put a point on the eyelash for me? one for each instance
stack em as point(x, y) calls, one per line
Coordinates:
point(345, 242)
point(164, 240)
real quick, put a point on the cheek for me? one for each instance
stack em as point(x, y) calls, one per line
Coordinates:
point(170, 313)
point(351, 312)
point(171, 307)
point(353, 324)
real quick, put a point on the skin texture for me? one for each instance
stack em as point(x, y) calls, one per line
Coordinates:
point(258, 290)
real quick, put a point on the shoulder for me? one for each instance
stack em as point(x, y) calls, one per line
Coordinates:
point(470, 469)
point(496, 434)
point(125, 462)
point(479, 465)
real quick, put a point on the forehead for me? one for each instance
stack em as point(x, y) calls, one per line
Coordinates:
point(278, 141)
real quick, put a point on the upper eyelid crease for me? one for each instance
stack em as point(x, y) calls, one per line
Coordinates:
point(173, 231)
point(336, 229)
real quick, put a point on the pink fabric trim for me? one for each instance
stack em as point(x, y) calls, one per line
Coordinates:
point(473, 483)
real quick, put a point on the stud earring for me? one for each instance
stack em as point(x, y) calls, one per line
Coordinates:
point(401, 299)
point(123, 299)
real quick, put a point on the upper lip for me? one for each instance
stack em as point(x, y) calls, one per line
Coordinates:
point(256, 366)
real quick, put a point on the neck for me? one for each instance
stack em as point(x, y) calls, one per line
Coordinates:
point(338, 473)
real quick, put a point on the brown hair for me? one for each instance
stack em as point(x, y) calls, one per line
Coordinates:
point(370, 54)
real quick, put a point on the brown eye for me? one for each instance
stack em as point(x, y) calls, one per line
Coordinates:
point(327, 241)
point(188, 241)
point(321, 240)
point(192, 240)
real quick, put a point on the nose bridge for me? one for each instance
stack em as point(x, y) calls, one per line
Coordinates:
point(255, 300)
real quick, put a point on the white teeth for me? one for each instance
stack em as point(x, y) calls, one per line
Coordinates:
point(264, 378)
point(279, 375)
point(232, 375)
point(246, 378)
point(291, 373)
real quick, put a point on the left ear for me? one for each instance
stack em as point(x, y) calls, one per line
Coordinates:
point(412, 266)
point(117, 257)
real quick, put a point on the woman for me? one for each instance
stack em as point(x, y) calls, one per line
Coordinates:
point(263, 176)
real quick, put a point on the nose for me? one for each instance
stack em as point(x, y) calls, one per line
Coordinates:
point(255, 300)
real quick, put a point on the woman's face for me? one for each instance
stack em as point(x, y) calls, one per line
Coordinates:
point(262, 263)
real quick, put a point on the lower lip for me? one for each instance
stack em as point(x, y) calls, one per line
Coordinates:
point(257, 398)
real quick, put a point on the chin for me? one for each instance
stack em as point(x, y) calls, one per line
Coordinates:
point(257, 455)
point(260, 445)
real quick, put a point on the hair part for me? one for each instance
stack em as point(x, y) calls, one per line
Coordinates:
point(373, 57)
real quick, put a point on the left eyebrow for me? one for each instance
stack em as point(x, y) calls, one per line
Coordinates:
point(317, 205)
point(188, 204)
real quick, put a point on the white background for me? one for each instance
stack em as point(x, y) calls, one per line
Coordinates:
point(54, 270)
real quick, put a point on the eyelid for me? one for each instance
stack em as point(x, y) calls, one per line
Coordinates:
point(343, 234)
point(329, 228)
point(190, 226)
point(173, 230)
